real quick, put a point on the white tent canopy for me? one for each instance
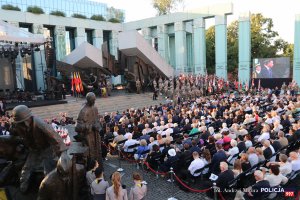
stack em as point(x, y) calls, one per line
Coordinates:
point(11, 33)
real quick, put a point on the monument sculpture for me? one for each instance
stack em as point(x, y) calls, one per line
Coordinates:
point(42, 142)
point(88, 128)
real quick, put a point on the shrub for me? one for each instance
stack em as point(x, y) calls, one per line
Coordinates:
point(35, 10)
point(10, 7)
point(79, 16)
point(98, 18)
point(114, 20)
point(58, 13)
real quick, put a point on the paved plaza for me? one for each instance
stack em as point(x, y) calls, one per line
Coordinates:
point(119, 101)
point(158, 187)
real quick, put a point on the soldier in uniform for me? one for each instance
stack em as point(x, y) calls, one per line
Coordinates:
point(154, 84)
point(109, 87)
point(138, 86)
point(160, 84)
point(41, 140)
point(88, 127)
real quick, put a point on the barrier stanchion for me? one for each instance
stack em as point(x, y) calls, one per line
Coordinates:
point(172, 180)
point(120, 169)
point(215, 191)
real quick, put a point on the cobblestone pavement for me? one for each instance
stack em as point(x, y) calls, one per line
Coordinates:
point(158, 188)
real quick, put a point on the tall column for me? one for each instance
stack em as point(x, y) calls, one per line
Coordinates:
point(60, 42)
point(296, 67)
point(180, 48)
point(114, 44)
point(98, 38)
point(199, 46)
point(114, 51)
point(80, 36)
point(244, 48)
point(221, 46)
point(147, 34)
point(39, 65)
point(162, 34)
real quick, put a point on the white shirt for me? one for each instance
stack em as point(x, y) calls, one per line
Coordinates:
point(248, 143)
point(275, 180)
point(129, 143)
point(286, 168)
point(253, 159)
point(295, 165)
point(232, 152)
point(264, 136)
point(196, 164)
point(273, 151)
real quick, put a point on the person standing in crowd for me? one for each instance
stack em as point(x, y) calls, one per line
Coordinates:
point(116, 192)
point(139, 190)
point(90, 175)
point(99, 186)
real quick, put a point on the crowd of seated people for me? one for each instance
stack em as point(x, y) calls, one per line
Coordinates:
point(221, 132)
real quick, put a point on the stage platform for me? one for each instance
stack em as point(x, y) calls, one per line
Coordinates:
point(32, 104)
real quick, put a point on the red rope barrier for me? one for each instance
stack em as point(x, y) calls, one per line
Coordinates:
point(152, 170)
point(191, 189)
point(221, 196)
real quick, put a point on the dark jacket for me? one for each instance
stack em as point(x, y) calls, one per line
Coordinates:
point(224, 178)
point(217, 158)
point(241, 146)
point(256, 190)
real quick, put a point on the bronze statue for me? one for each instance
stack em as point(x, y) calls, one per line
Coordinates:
point(138, 86)
point(41, 140)
point(109, 88)
point(88, 127)
point(57, 184)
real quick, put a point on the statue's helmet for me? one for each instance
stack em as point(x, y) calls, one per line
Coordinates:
point(64, 165)
point(90, 97)
point(21, 113)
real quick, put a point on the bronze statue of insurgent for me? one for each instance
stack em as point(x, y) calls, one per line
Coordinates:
point(57, 184)
point(88, 127)
point(43, 142)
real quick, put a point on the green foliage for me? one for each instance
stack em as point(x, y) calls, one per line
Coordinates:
point(98, 18)
point(264, 43)
point(116, 13)
point(210, 50)
point(58, 13)
point(114, 20)
point(35, 10)
point(10, 7)
point(79, 16)
point(164, 7)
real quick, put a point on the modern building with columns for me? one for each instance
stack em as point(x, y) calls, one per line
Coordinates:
point(179, 39)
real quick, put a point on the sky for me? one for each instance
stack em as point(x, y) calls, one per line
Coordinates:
point(281, 11)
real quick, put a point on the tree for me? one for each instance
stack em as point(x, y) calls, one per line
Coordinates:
point(264, 42)
point(115, 13)
point(98, 18)
point(164, 7)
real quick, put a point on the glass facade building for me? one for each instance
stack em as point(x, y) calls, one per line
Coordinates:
point(69, 7)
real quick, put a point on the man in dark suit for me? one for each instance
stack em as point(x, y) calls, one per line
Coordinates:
point(266, 70)
point(241, 144)
point(225, 176)
point(218, 157)
point(256, 191)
